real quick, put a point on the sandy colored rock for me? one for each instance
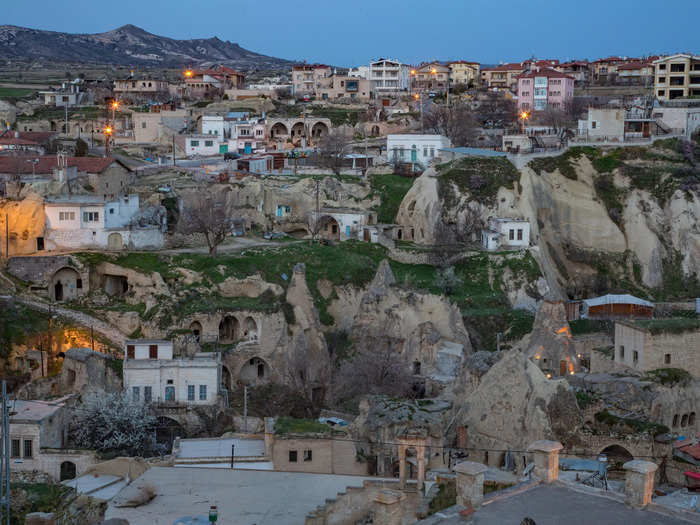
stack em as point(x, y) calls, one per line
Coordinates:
point(252, 286)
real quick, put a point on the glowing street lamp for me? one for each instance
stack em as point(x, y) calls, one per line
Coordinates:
point(115, 107)
point(189, 73)
point(523, 117)
point(108, 134)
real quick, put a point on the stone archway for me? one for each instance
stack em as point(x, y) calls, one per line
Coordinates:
point(65, 284)
point(617, 455)
point(278, 129)
point(298, 130)
point(167, 429)
point(196, 329)
point(250, 329)
point(319, 129)
point(225, 377)
point(328, 228)
point(68, 470)
point(255, 371)
point(114, 241)
point(228, 329)
point(412, 440)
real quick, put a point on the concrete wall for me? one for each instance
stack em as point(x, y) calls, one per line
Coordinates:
point(141, 349)
point(328, 456)
point(180, 374)
point(141, 239)
point(609, 124)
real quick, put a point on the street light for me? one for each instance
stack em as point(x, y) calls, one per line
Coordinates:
point(189, 73)
point(115, 107)
point(417, 97)
point(523, 117)
point(108, 134)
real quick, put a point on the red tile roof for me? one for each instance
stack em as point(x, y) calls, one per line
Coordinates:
point(23, 164)
point(515, 66)
point(693, 450)
point(633, 66)
point(464, 62)
point(544, 72)
point(11, 141)
point(40, 137)
point(574, 63)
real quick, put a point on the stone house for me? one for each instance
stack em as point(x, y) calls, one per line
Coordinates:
point(340, 86)
point(59, 278)
point(38, 431)
point(153, 375)
point(152, 127)
point(306, 77)
point(544, 88)
point(339, 224)
point(505, 232)
point(146, 89)
point(421, 149)
point(317, 454)
point(657, 343)
point(465, 73)
point(433, 77)
point(85, 221)
point(501, 76)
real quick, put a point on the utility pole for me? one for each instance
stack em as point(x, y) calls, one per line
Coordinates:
point(5, 462)
point(174, 151)
point(7, 237)
point(66, 106)
point(233, 448)
point(245, 408)
point(92, 337)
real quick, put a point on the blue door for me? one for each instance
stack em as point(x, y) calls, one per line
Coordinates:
point(347, 231)
point(279, 211)
point(248, 148)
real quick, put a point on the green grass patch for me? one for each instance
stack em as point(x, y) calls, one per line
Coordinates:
point(40, 497)
point(446, 497)
point(634, 425)
point(669, 376)
point(479, 177)
point(10, 92)
point(391, 190)
point(588, 326)
point(584, 399)
point(671, 325)
point(290, 425)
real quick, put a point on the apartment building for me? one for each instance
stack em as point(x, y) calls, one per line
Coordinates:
point(540, 89)
point(388, 76)
point(677, 76)
point(432, 77)
point(340, 86)
point(640, 72)
point(502, 76)
point(463, 72)
point(306, 78)
point(579, 69)
point(141, 90)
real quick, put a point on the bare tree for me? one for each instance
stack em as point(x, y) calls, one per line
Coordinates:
point(455, 122)
point(554, 118)
point(378, 369)
point(210, 214)
point(114, 423)
point(332, 149)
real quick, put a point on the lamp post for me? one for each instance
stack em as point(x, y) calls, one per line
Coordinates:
point(417, 97)
point(523, 118)
point(115, 107)
point(108, 136)
point(411, 79)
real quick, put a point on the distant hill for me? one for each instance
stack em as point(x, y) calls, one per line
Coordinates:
point(127, 45)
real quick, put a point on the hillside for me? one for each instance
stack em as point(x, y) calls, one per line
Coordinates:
point(127, 45)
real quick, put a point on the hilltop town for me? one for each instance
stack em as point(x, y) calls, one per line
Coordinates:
point(253, 291)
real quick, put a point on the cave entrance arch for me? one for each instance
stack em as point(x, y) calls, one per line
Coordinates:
point(68, 470)
point(228, 329)
point(617, 455)
point(250, 329)
point(196, 329)
point(167, 429)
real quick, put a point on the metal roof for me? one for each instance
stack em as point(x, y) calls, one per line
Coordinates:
point(617, 299)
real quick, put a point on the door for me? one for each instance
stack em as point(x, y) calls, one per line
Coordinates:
point(67, 470)
point(563, 368)
point(58, 291)
point(347, 231)
point(114, 241)
point(248, 148)
point(414, 155)
point(223, 148)
point(39, 244)
point(170, 393)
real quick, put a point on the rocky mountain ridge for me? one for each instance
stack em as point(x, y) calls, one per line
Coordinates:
point(127, 45)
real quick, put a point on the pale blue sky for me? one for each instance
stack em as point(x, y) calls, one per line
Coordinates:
point(342, 32)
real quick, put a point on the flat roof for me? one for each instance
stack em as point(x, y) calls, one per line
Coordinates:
point(147, 341)
point(475, 152)
point(221, 447)
point(617, 299)
point(243, 497)
point(33, 411)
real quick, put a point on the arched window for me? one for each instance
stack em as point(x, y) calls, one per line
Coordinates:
point(675, 420)
point(691, 419)
point(684, 420)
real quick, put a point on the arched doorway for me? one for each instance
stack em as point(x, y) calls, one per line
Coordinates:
point(250, 329)
point(196, 329)
point(298, 130)
point(68, 470)
point(319, 130)
point(255, 371)
point(329, 228)
point(65, 284)
point(228, 329)
point(617, 455)
point(167, 430)
point(375, 131)
point(225, 377)
point(278, 130)
point(114, 241)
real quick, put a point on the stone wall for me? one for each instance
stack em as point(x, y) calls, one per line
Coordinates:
point(328, 455)
point(26, 222)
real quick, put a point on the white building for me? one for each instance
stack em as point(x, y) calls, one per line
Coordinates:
point(340, 224)
point(89, 221)
point(506, 233)
point(67, 95)
point(388, 76)
point(153, 375)
point(204, 145)
point(420, 149)
point(359, 72)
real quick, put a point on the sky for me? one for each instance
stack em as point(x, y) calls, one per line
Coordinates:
point(353, 32)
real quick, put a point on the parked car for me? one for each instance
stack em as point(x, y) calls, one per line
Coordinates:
point(333, 421)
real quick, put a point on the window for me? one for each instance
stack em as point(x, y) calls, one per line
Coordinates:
point(677, 68)
point(202, 392)
point(292, 456)
point(143, 125)
point(594, 124)
point(622, 352)
point(667, 359)
point(511, 235)
point(194, 143)
point(662, 80)
point(520, 234)
point(675, 420)
point(190, 392)
point(208, 143)
point(308, 455)
point(691, 419)
point(135, 393)
point(684, 422)
point(79, 284)
point(153, 351)
point(662, 67)
point(15, 448)
point(635, 356)
point(661, 93)
point(66, 215)
point(111, 210)
point(130, 350)
point(147, 394)
point(28, 448)
point(91, 216)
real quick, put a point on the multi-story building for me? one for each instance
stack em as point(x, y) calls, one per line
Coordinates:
point(388, 76)
point(152, 127)
point(502, 76)
point(605, 69)
point(141, 90)
point(69, 94)
point(306, 78)
point(209, 83)
point(464, 73)
point(539, 89)
point(339, 86)
point(432, 77)
point(677, 76)
point(639, 72)
point(153, 375)
point(579, 69)
point(359, 72)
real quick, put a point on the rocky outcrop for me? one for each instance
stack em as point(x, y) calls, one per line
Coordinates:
point(513, 405)
point(549, 344)
point(253, 286)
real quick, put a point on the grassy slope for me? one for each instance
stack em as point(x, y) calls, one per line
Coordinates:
point(391, 189)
